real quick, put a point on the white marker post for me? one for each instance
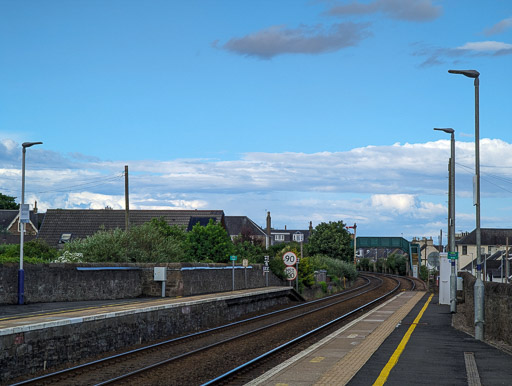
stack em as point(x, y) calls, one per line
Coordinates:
point(233, 259)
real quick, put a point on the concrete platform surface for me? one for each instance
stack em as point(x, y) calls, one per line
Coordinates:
point(435, 354)
point(20, 318)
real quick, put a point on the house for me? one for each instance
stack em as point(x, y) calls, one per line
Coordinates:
point(63, 225)
point(279, 236)
point(244, 227)
point(10, 225)
point(429, 252)
point(494, 267)
point(492, 240)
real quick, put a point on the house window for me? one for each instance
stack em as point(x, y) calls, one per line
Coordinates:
point(489, 249)
point(279, 237)
point(65, 238)
point(464, 249)
point(299, 237)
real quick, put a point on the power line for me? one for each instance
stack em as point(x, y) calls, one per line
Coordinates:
point(89, 184)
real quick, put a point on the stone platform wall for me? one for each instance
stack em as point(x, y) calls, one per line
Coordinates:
point(77, 282)
point(28, 349)
point(498, 309)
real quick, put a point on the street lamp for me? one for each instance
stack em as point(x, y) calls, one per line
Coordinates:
point(479, 285)
point(24, 217)
point(451, 221)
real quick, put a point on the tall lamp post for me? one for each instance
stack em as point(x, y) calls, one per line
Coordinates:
point(479, 285)
point(451, 221)
point(24, 217)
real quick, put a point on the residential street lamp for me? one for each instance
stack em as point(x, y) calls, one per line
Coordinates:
point(23, 218)
point(479, 285)
point(451, 221)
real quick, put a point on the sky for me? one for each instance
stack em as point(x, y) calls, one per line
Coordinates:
point(313, 110)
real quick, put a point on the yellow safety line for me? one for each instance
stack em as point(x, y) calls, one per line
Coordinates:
point(384, 374)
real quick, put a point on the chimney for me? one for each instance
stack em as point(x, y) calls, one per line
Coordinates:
point(35, 207)
point(310, 226)
point(285, 227)
point(269, 223)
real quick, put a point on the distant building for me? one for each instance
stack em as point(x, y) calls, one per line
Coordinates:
point(244, 227)
point(10, 225)
point(279, 236)
point(429, 252)
point(63, 225)
point(492, 240)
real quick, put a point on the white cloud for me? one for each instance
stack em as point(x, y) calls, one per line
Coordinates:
point(436, 56)
point(487, 46)
point(410, 10)
point(278, 40)
point(499, 27)
point(382, 188)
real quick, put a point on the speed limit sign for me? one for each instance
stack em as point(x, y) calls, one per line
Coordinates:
point(290, 273)
point(289, 259)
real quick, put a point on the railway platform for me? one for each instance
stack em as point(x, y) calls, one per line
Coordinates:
point(36, 337)
point(408, 340)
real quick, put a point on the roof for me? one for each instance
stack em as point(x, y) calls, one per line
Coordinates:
point(288, 234)
point(237, 225)
point(85, 222)
point(488, 236)
point(7, 216)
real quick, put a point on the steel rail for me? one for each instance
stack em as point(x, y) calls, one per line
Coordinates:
point(297, 339)
point(197, 334)
point(233, 338)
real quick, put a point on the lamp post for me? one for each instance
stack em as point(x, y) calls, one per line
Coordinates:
point(451, 220)
point(355, 229)
point(22, 219)
point(479, 285)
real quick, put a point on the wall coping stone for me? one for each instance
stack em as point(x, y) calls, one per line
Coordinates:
point(115, 314)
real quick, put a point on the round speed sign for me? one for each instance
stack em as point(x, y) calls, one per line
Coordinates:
point(289, 259)
point(290, 273)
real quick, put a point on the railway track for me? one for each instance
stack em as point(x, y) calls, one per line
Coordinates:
point(216, 355)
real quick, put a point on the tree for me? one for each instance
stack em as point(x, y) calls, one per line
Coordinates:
point(8, 202)
point(331, 239)
point(209, 243)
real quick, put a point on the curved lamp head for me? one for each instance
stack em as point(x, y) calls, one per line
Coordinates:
point(447, 130)
point(28, 144)
point(469, 73)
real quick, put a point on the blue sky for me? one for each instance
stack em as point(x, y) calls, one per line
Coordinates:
point(313, 110)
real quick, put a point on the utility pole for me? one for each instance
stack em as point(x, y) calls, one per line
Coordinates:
point(126, 200)
point(451, 220)
point(507, 265)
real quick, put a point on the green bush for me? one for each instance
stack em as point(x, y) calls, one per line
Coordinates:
point(149, 242)
point(334, 267)
point(424, 273)
point(364, 264)
point(34, 250)
point(323, 285)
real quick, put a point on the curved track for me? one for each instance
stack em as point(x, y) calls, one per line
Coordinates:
point(235, 348)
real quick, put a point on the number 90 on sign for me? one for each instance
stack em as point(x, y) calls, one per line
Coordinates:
point(290, 273)
point(289, 258)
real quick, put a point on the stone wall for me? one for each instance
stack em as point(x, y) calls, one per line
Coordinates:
point(498, 309)
point(29, 349)
point(76, 282)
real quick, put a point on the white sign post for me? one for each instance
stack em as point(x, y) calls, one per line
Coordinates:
point(290, 260)
point(266, 269)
